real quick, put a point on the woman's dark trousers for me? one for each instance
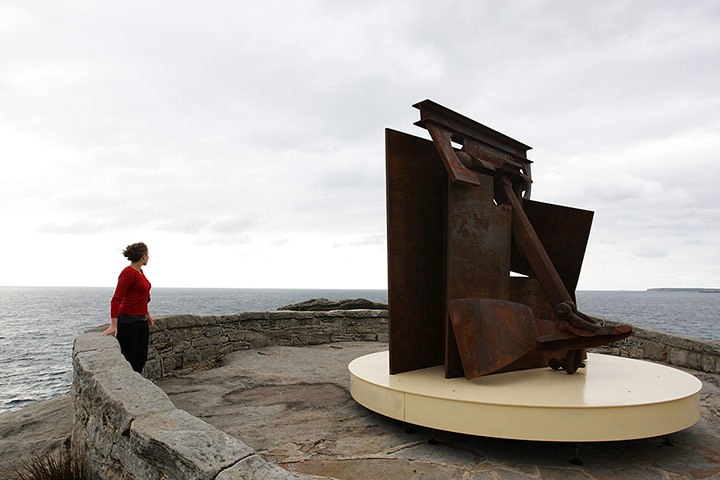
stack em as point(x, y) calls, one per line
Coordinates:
point(133, 338)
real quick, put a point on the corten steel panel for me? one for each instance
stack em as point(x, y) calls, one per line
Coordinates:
point(477, 253)
point(564, 232)
point(492, 333)
point(528, 291)
point(415, 182)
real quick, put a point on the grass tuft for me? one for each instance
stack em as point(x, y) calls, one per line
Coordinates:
point(58, 465)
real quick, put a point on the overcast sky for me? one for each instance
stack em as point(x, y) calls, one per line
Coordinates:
point(244, 143)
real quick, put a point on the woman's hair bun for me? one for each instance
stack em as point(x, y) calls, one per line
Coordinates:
point(135, 251)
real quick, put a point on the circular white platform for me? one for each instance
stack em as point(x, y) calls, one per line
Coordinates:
point(613, 398)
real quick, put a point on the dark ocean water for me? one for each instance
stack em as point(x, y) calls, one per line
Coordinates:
point(38, 324)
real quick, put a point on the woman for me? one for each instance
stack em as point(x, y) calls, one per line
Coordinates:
point(130, 320)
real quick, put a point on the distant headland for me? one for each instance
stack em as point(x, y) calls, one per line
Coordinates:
point(698, 290)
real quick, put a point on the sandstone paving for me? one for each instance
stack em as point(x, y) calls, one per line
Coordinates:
point(293, 406)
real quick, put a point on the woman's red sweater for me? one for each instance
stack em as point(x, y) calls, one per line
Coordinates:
point(131, 295)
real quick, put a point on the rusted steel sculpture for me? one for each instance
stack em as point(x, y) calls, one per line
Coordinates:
point(459, 221)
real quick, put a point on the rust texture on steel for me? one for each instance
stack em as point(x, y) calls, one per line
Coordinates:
point(492, 334)
point(416, 183)
point(459, 222)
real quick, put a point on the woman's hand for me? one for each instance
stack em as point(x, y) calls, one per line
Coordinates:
point(151, 322)
point(112, 329)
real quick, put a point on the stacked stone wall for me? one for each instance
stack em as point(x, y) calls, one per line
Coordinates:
point(702, 355)
point(128, 428)
point(183, 343)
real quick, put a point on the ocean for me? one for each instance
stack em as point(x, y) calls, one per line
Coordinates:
point(38, 324)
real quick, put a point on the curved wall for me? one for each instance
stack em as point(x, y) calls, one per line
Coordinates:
point(128, 428)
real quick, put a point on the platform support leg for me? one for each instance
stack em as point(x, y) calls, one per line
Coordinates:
point(576, 459)
point(432, 440)
point(667, 442)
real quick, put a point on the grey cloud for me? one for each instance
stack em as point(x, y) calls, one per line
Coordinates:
point(75, 228)
point(188, 225)
point(236, 123)
point(370, 240)
point(232, 225)
point(650, 252)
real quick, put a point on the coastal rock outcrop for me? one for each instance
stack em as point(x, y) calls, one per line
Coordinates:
point(325, 305)
point(38, 429)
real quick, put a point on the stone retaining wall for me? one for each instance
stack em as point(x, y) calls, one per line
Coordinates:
point(702, 355)
point(182, 343)
point(128, 428)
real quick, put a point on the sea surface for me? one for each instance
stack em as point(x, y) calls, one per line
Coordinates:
point(38, 324)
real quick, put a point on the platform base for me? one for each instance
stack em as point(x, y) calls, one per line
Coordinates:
point(613, 398)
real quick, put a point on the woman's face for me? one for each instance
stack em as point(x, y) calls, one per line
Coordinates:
point(145, 258)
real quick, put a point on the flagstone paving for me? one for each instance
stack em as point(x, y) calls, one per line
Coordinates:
point(292, 405)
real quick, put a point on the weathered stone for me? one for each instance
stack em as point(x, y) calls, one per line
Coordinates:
point(255, 468)
point(36, 429)
point(342, 337)
point(325, 305)
point(655, 351)
point(213, 331)
point(160, 322)
point(124, 395)
point(710, 363)
point(365, 337)
point(257, 339)
point(178, 442)
point(201, 341)
point(153, 352)
point(208, 354)
point(316, 339)
point(171, 363)
point(153, 369)
point(90, 362)
point(224, 349)
point(234, 318)
point(359, 314)
point(279, 315)
point(631, 347)
point(190, 357)
point(685, 358)
point(93, 341)
point(184, 321)
point(128, 465)
point(178, 335)
point(100, 435)
point(236, 336)
point(160, 339)
point(279, 323)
